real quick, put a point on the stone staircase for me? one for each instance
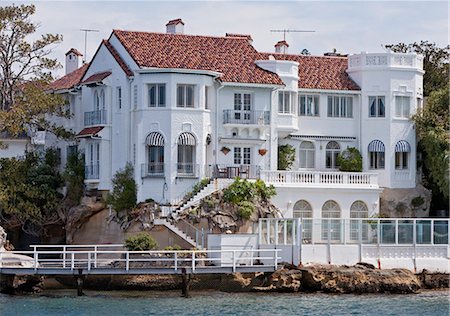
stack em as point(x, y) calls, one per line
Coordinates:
point(164, 222)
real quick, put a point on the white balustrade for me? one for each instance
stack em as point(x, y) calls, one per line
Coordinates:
point(386, 60)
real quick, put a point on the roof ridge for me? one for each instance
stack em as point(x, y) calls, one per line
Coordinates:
point(306, 56)
point(189, 35)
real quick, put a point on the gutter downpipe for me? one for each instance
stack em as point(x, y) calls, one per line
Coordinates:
point(216, 143)
point(130, 92)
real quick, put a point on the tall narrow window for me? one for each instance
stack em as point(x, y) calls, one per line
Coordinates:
point(376, 106)
point(119, 97)
point(157, 95)
point(135, 96)
point(186, 154)
point(242, 156)
point(331, 223)
point(359, 229)
point(308, 105)
point(402, 150)
point(185, 96)
point(376, 154)
point(285, 102)
point(242, 106)
point(402, 105)
point(207, 105)
point(332, 151)
point(155, 144)
point(340, 106)
point(306, 155)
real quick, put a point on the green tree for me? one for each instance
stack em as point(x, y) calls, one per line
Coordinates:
point(350, 160)
point(29, 191)
point(124, 192)
point(435, 63)
point(433, 132)
point(74, 178)
point(286, 157)
point(25, 71)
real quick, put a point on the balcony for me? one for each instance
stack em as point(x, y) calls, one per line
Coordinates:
point(402, 60)
point(150, 170)
point(246, 117)
point(233, 171)
point(97, 117)
point(187, 170)
point(91, 172)
point(320, 179)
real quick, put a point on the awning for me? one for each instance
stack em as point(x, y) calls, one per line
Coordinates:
point(89, 132)
point(155, 139)
point(376, 146)
point(186, 139)
point(402, 147)
point(96, 78)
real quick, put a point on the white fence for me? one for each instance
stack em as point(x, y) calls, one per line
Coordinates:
point(319, 178)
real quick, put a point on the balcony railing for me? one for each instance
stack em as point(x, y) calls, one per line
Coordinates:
point(91, 172)
point(386, 59)
point(246, 117)
point(187, 170)
point(319, 178)
point(155, 169)
point(233, 171)
point(94, 117)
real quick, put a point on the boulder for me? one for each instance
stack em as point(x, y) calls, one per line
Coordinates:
point(414, 202)
point(431, 280)
point(358, 279)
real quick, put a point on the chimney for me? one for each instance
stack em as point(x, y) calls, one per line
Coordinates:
point(281, 47)
point(73, 58)
point(175, 27)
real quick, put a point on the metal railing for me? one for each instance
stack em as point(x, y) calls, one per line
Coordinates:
point(95, 117)
point(233, 171)
point(92, 172)
point(320, 178)
point(187, 170)
point(154, 169)
point(124, 262)
point(246, 117)
point(197, 235)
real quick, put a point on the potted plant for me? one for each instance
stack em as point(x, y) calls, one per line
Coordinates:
point(225, 150)
point(262, 151)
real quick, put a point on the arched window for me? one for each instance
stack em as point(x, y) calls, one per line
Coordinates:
point(186, 154)
point(331, 223)
point(359, 228)
point(96, 101)
point(332, 151)
point(306, 155)
point(402, 150)
point(303, 210)
point(102, 99)
point(155, 148)
point(376, 154)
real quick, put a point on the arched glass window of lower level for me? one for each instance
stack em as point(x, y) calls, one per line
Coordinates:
point(186, 154)
point(376, 151)
point(331, 223)
point(359, 228)
point(303, 210)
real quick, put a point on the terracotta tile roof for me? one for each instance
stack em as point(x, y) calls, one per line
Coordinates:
point(119, 59)
point(234, 57)
point(70, 80)
point(90, 131)
point(320, 72)
point(175, 22)
point(97, 77)
point(75, 51)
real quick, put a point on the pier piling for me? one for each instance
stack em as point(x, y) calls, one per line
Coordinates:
point(185, 283)
point(80, 281)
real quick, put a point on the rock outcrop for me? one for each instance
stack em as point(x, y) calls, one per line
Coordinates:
point(414, 202)
point(358, 279)
point(434, 280)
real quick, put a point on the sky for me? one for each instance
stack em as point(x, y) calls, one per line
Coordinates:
point(348, 26)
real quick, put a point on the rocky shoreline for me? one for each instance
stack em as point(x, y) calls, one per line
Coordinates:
point(358, 279)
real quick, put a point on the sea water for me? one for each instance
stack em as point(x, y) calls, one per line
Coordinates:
point(64, 302)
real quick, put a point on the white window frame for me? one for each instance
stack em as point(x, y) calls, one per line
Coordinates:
point(183, 101)
point(309, 105)
point(119, 97)
point(333, 153)
point(242, 155)
point(380, 103)
point(401, 160)
point(377, 160)
point(402, 106)
point(336, 107)
point(160, 99)
point(286, 102)
point(306, 155)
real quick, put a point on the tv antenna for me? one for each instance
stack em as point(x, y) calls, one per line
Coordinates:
point(284, 31)
point(86, 31)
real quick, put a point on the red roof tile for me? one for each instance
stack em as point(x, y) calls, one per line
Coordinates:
point(281, 43)
point(234, 57)
point(247, 36)
point(320, 72)
point(70, 80)
point(97, 77)
point(175, 22)
point(90, 131)
point(75, 51)
point(119, 59)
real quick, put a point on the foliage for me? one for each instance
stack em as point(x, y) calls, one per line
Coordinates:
point(25, 72)
point(243, 190)
point(124, 193)
point(350, 160)
point(435, 63)
point(141, 242)
point(74, 177)
point(172, 248)
point(196, 188)
point(29, 191)
point(432, 130)
point(246, 209)
point(417, 201)
point(286, 157)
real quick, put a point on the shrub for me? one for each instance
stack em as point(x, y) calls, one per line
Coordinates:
point(350, 160)
point(141, 242)
point(172, 248)
point(264, 191)
point(286, 157)
point(240, 190)
point(246, 209)
point(124, 193)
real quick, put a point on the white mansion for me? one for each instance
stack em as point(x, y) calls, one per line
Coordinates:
point(184, 107)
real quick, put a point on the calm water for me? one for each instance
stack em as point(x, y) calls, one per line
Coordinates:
point(217, 303)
